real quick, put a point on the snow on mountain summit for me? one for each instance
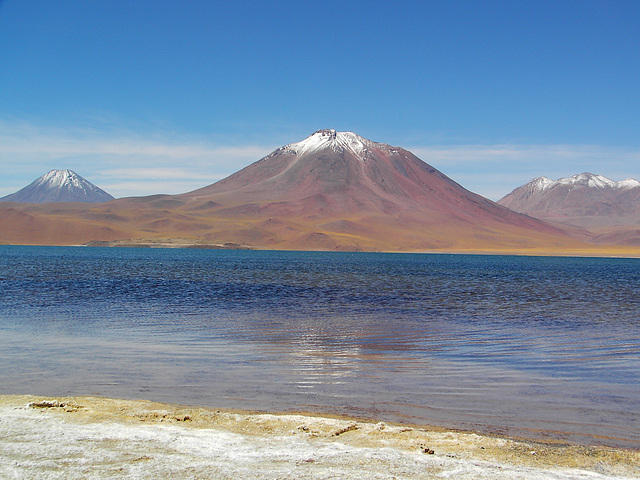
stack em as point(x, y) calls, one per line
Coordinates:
point(628, 183)
point(588, 180)
point(582, 179)
point(329, 138)
point(540, 183)
point(581, 196)
point(59, 186)
point(58, 178)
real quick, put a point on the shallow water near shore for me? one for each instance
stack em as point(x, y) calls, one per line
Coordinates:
point(536, 347)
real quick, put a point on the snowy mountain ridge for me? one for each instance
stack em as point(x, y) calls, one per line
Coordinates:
point(607, 210)
point(586, 179)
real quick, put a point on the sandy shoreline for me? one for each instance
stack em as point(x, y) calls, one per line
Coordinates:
point(91, 437)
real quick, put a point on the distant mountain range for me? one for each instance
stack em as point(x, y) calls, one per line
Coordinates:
point(609, 211)
point(330, 191)
point(59, 186)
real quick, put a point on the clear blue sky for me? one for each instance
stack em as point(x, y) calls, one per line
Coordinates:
point(160, 96)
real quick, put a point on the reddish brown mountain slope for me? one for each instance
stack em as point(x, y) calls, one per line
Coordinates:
point(332, 191)
point(341, 173)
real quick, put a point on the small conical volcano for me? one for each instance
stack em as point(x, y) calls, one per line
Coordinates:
point(59, 186)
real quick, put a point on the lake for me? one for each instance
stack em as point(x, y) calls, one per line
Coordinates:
point(539, 347)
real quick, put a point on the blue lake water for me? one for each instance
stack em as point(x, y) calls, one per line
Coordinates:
point(540, 347)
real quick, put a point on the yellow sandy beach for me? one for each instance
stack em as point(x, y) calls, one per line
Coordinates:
point(90, 437)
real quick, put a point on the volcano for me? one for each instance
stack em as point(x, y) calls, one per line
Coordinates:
point(340, 173)
point(330, 191)
point(59, 186)
point(338, 190)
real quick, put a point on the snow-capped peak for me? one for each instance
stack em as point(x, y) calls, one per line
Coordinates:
point(329, 138)
point(628, 183)
point(541, 183)
point(58, 178)
point(586, 179)
point(59, 186)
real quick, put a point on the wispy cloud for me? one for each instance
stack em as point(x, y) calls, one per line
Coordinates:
point(495, 170)
point(471, 154)
point(122, 162)
point(149, 173)
point(150, 187)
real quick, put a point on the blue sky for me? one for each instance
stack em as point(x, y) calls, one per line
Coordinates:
point(154, 96)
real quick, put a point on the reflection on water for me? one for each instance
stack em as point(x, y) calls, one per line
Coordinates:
point(501, 344)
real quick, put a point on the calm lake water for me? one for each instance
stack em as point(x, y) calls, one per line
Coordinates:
point(530, 346)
